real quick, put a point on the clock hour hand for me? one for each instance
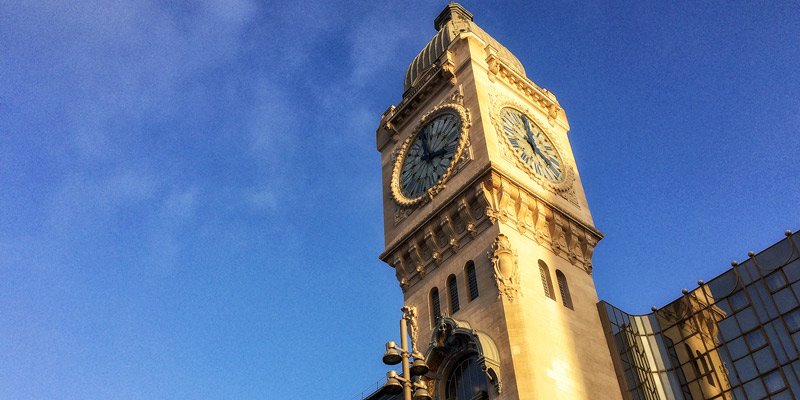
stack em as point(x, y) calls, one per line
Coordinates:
point(528, 134)
point(427, 152)
point(437, 153)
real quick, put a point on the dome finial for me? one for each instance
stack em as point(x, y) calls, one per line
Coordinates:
point(451, 11)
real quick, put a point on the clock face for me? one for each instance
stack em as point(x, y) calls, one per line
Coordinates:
point(430, 154)
point(532, 145)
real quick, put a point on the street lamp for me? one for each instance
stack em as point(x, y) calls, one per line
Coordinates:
point(412, 387)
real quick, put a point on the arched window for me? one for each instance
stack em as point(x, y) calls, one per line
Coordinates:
point(472, 280)
point(467, 381)
point(436, 310)
point(564, 289)
point(452, 291)
point(547, 283)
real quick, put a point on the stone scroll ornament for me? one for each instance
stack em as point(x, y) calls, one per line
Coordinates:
point(506, 272)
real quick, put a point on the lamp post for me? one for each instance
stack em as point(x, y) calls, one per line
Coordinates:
point(412, 387)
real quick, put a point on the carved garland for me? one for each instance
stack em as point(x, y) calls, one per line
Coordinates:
point(399, 157)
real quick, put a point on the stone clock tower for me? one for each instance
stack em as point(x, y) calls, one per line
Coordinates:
point(487, 226)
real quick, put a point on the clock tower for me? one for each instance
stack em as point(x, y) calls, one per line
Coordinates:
point(487, 226)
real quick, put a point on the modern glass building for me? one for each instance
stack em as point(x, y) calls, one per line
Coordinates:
point(735, 337)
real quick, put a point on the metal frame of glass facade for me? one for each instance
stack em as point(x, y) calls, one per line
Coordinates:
point(735, 337)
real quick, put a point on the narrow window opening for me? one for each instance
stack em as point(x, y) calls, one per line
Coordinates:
point(472, 281)
point(436, 310)
point(547, 283)
point(452, 291)
point(563, 287)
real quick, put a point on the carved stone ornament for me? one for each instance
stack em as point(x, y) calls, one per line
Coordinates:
point(506, 271)
point(511, 204)
point(397, 194)
point(460, 220)
point(410, 315)
point(452, 341)
point(563, 186)
point(543, 98)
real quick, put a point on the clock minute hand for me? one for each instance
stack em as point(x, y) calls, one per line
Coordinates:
point(544, 157)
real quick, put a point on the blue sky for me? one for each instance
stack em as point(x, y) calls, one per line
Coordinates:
point(190, 203)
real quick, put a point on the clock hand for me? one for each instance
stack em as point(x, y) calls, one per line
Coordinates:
point(529, 135)
point(437, 153)
point(425, 149)
point(544, 157)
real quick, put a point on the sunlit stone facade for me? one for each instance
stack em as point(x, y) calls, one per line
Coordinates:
point(489, 233)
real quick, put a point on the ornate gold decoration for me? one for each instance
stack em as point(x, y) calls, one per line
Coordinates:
point(400, 156)
point(506, 271)
point(563, 186)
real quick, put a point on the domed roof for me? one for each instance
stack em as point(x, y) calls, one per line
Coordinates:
point(453, 20)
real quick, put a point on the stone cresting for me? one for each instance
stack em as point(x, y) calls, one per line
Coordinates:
point(494, 199)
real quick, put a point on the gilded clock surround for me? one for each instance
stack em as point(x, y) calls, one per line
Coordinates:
point(562, 186)
point(397, 193)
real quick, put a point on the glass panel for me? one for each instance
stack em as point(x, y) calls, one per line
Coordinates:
point(738, 301)
point(755, 390)
point(762, 303)
point(764, 360)
point(725, 306)
point(785, 299)
point(775, 256)
point(747, 272)
point(774, 382)
point(756, 339)
point(745, 368)
point(747, 319)
point(466, 381)
point(793, 320)
point(723, 285)
point(776, 280)
point(779, 341)
point(737, 348)
point(792, 270)
point(729, 328)
point(785, 395)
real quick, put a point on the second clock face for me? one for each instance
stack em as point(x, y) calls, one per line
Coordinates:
point(430, 155)
point(531, 144)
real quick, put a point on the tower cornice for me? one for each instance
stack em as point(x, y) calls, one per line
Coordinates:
point(492, 199)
